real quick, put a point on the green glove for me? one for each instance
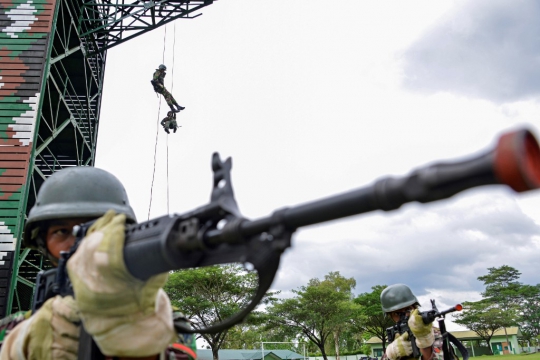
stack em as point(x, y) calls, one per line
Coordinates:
point(423, 332)
point(51, 333)
point(400, 347)
point(124, 315)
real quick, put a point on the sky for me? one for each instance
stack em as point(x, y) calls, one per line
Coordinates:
point(311, 99)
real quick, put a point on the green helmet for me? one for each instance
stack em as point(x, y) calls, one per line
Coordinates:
point(76, 192)
point(162, 67)
point(397, 297)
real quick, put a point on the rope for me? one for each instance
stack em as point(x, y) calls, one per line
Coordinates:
point(155, 146)
point(172, 88)
point(167, 174)
point(157, 126)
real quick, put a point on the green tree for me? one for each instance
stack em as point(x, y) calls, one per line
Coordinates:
point(209, 295)
point(317, 312)
point(503, 290)
point(243, 336)
point(529, 318)
point(372, 320)
point(482, 318)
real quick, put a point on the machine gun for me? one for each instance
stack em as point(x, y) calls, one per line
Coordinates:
point(427, 318)
point(217, 233)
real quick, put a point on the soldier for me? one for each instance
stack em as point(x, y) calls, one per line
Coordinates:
point(397, 300)
point(126, 317)
point(169, 122)
point(159, 87)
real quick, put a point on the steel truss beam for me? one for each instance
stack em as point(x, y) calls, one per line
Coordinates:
point(115, 22)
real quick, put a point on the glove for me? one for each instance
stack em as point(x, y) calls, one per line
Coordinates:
point(51, 333)
point(400, 347)
point(423, 332)
point(124, 315)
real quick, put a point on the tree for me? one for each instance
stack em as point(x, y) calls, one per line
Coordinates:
point(209, 295)
point(373, 321)
point(529, 318)
point(243, 336)
point(503, 290)
point(318, 311)
point(482, 318)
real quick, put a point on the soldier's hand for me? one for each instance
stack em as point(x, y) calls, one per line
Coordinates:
point(118, 309)
point(423, 332)
point(400, 347)
point(51, 333)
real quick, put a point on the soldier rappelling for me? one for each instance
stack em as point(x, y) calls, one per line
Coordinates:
point(159, 87)
point(169, 122)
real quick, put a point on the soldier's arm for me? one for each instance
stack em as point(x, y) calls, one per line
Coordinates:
point(427, 353)
point(156, 79)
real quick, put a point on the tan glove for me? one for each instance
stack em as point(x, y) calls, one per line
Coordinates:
point(400, 347)
point(423, 332)
point(51, 333)
point(124, 315)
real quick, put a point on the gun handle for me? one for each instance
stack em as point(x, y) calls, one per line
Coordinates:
point(415, 350)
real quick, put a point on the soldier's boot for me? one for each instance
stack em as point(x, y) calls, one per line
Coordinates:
point(173, 109)
point(180, 107)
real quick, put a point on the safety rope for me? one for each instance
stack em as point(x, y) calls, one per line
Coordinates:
point(155, 146)
point(157, 125)
point(172, 89)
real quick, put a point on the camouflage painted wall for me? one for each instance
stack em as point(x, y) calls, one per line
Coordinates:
point(25, 27)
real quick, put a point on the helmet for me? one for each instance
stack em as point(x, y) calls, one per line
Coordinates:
point(162, 67)
point(73, 193)
point(397, 297)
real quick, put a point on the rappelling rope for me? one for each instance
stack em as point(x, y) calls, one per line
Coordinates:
point(155, 146)
point(172, 89)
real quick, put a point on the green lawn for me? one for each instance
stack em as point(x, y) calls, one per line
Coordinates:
point(535, 356)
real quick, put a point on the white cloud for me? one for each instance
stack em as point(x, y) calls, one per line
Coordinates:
point(484, 49)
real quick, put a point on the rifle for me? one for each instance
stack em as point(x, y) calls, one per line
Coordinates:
point(427, 318)
point(217, 233)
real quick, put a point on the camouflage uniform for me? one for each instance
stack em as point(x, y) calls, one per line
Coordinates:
point(9, 322)
point(159, 87)
point(184, 348)
point(437, 348)
point(169, 122)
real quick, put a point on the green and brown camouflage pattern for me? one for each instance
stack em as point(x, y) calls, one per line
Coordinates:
point(25, 27)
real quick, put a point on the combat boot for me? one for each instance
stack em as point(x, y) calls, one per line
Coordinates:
point(173, 109)
point(179, 107)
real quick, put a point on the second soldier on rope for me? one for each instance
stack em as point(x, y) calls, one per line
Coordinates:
point(169, 122)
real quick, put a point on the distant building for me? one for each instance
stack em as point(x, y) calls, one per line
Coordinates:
point(203, 354)
point(474, 343)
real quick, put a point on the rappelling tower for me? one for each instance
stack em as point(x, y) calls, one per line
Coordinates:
point(52, 62)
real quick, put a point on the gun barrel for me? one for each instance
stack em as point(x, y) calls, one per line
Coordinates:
point(154, 247)
point(514, 162)
point(458, 307)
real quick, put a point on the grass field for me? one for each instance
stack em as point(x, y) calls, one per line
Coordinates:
point(535, 356)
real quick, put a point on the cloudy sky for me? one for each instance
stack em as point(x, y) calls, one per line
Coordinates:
point(313, 98)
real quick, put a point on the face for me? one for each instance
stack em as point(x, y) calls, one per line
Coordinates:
point(396, 315)
point(59, 235)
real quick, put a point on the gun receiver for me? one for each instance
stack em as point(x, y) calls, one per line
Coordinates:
point(400, 328)
point(197, 238)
